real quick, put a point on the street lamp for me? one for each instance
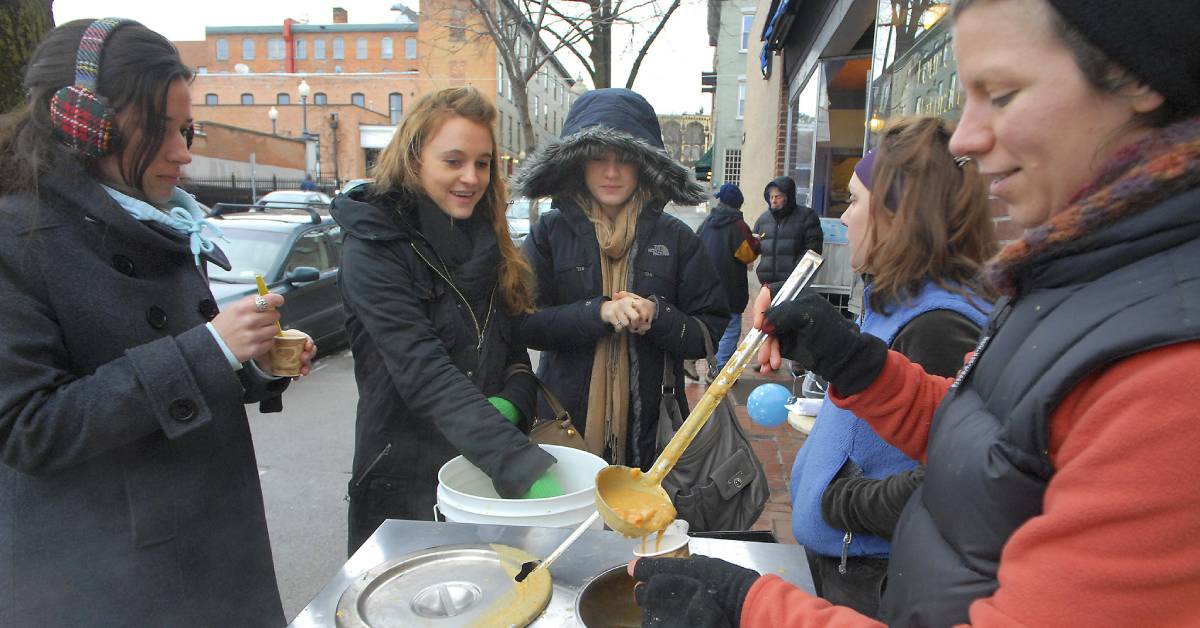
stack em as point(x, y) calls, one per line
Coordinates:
point(304, 90)
point(273, 114)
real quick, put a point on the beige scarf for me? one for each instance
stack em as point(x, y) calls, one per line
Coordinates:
point(608, 395)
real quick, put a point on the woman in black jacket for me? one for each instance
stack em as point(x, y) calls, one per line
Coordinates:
point(128, 485)
point(622, 287)
point(431, 282)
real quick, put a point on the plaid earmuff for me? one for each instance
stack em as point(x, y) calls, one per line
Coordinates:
point(81, 117)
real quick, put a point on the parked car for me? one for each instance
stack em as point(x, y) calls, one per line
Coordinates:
point(353, 184)
point(518, 216)
point(298, 253)
point(294, 199)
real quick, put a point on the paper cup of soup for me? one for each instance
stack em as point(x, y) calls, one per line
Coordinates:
point(672, 543)
point(285, 353)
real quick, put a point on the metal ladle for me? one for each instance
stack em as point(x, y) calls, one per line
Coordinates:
point(634, 503)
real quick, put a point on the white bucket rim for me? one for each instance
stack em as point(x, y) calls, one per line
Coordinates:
point(533, 500)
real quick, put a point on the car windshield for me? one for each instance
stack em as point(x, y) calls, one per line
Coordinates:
point(251, 252)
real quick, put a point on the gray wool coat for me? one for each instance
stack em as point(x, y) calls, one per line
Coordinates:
point(129, 493)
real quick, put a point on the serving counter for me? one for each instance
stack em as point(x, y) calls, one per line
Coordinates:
point(595, 552)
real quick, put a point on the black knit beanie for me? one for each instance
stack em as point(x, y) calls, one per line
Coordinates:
point(1156, 40)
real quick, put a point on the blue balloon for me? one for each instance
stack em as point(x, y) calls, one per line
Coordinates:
point(767, 405)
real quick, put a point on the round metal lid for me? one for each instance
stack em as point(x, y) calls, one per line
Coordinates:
point(451, 585)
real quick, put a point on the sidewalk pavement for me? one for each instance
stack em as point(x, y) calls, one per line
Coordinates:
point(776, 448)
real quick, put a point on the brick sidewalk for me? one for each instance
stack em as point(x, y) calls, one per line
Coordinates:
point(776, 448)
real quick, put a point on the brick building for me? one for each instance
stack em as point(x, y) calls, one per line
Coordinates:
point(359, 78)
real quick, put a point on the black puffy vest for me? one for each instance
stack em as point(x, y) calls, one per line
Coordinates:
point(1126, 288)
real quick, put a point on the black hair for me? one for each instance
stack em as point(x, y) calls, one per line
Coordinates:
point(137, 66)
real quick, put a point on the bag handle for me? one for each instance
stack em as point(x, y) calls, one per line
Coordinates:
point(710, 355)
point(556, 406)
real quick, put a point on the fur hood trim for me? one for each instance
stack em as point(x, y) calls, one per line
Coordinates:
point(556, 168)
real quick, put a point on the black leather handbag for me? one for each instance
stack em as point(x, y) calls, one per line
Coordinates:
point(719, 483)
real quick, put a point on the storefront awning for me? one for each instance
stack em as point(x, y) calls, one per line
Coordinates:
point(705, 160)
point(776, 29)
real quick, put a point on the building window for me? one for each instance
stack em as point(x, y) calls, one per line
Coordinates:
point(339, 48)
point(210, 99)
point(318, 48)
point(320, 98)
point(395, 107)
point(222, 50)
point(741, 106)
point(248, 49)
point(410, 48)
point(358, 100)
point(275, 49)
point(499, 76)
point(360, 48)
point(385, 48)
point(537, 106)
point(247, 99)
point(301, 49)
point(283, 98)
point(747, 20)
point(733, 166)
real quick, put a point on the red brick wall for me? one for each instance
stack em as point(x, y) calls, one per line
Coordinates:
point(220, 141)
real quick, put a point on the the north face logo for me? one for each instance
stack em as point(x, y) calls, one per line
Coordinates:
point(660, 250)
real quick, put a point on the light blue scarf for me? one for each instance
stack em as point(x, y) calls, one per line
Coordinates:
point(184, 216)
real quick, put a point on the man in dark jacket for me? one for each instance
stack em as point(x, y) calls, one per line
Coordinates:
point(732, 248)
point(787, 231)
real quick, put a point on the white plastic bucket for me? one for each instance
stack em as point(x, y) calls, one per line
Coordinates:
point(465, 494)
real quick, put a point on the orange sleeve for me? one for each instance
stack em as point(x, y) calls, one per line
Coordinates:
point(1118, 542)
point(775, 603)
point(899, 404)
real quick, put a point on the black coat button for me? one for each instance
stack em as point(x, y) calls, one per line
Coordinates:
point(123, 264)
point(182, 410)
point(156, 317)
point(208, 309)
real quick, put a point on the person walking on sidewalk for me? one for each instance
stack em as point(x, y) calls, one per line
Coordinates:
point(787, 231)
point(432, 285)
point(1062, 459)
point(732, 248)
point(623, 287)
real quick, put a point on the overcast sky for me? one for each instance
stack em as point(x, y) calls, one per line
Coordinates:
point(669, 76)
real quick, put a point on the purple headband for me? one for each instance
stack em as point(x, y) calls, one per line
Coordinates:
point(865, 169)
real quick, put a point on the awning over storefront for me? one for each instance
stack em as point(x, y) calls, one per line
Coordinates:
point(775, 31)
point(703, 167)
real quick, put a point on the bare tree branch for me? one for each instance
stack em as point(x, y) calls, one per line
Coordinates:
point(637, 63)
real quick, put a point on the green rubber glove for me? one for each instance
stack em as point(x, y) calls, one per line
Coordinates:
point(545, 486)
point(506, 409)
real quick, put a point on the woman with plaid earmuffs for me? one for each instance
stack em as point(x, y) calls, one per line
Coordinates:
point(128, 480)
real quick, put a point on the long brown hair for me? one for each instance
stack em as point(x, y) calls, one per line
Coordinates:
point(399, 169)
point(941, 229)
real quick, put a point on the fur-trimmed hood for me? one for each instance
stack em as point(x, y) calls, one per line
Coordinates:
point(603, 120)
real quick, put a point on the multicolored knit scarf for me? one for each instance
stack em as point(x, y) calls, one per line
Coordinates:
point(1139, 177)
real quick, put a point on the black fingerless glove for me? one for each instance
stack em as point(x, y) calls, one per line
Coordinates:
point(815, 335)
point(694, 592)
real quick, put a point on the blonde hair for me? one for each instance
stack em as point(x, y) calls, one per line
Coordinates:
point(399, 169)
